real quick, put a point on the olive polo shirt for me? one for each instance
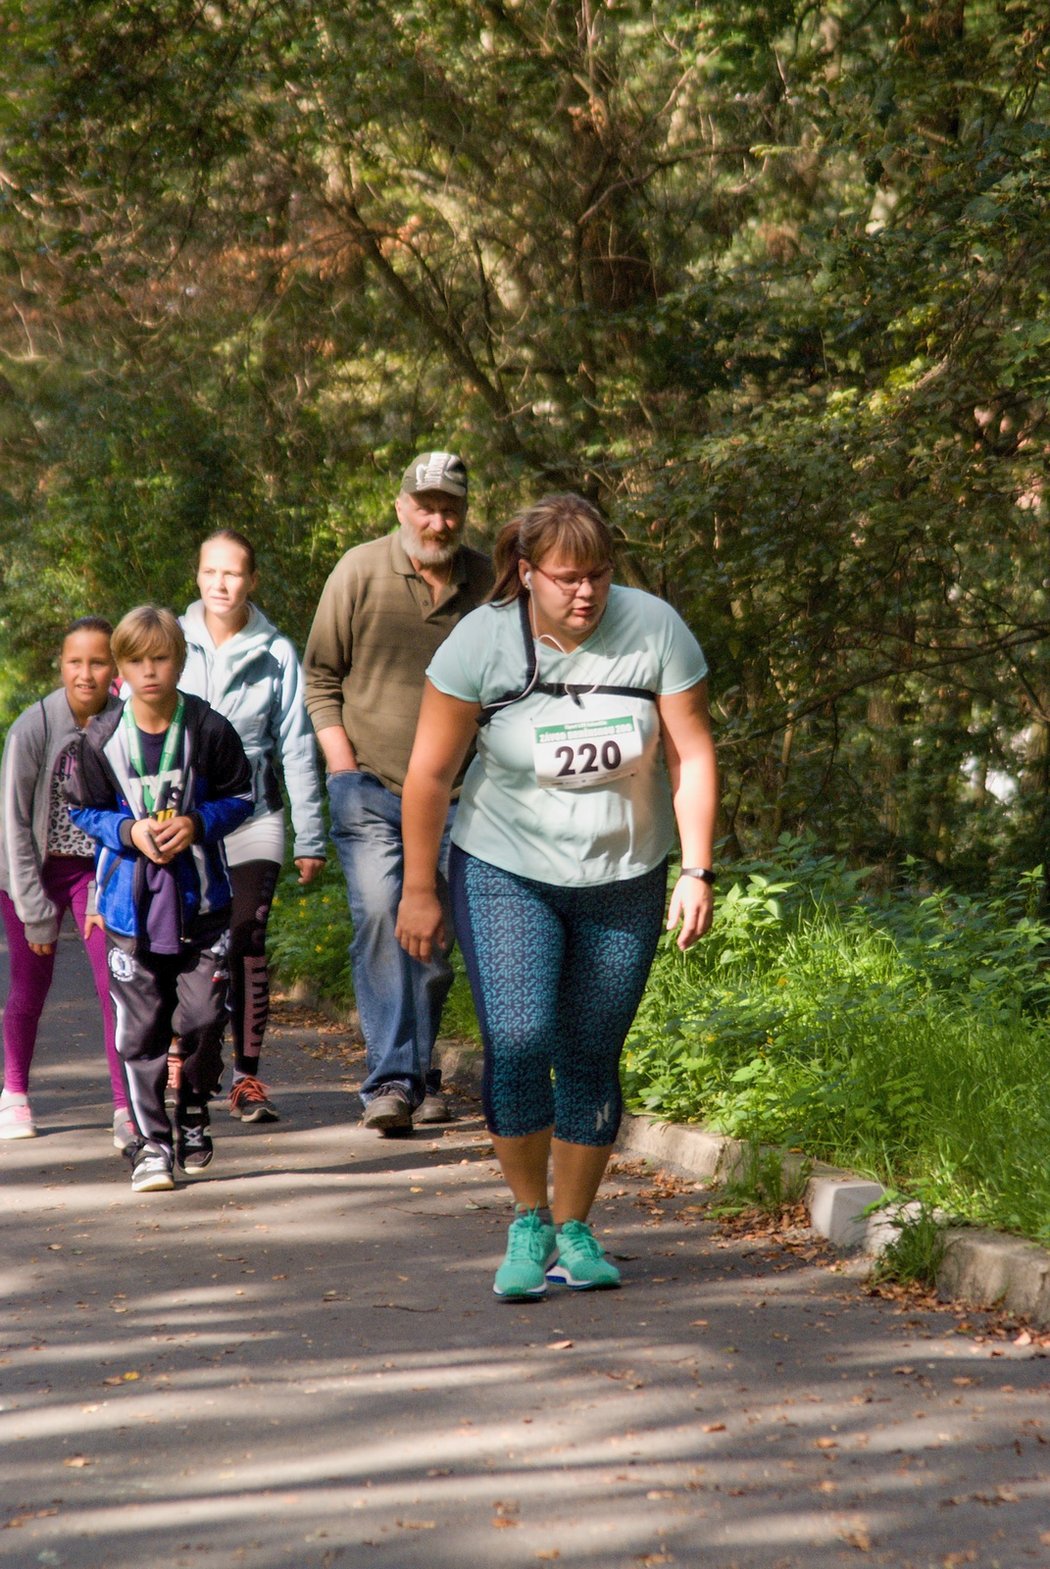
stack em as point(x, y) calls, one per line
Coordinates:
point(374, 633)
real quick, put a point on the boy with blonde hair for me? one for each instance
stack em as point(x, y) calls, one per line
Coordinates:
point(158, 784)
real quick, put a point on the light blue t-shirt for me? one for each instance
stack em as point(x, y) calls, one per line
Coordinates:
point(570, 789)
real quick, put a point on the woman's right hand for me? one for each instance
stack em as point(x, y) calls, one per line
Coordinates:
point(421, 925)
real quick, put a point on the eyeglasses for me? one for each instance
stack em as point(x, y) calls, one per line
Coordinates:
point(570, 585)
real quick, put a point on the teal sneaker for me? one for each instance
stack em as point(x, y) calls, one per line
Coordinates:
point(582, 1264)
point(531, 1247)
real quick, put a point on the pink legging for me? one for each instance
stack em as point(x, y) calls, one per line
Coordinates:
point(66, 880)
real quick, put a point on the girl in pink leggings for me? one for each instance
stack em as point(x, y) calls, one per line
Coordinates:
point(47, 867)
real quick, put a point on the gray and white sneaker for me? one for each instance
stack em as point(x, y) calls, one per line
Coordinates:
point(151, 1169)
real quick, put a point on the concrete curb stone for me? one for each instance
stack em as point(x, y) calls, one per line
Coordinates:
point(982, 1269)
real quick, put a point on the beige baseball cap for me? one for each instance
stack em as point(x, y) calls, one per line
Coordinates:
point(436, 471)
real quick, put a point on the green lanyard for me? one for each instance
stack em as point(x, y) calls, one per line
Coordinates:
point(169, 751)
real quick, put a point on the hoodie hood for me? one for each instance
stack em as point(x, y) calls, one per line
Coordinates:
point(255, 681)
point(226, 662)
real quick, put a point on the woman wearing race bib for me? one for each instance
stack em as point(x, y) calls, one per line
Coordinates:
point(588, 702)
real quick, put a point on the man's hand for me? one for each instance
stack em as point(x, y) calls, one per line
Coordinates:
point(421, 925)
point(309, 867)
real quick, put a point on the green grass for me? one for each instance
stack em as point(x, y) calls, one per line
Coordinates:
point(916, 1252)
point(769, 1178)
point(308, 940)
point(903, 1036)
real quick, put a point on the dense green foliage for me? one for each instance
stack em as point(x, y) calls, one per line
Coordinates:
point(900, 1034)
point(768, 280)
point(308, 941)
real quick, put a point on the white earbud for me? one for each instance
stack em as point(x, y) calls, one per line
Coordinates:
point(528, 580)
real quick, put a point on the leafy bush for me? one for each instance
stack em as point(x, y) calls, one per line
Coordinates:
point(309, 933)
point(308, 939)
point(903, 1034)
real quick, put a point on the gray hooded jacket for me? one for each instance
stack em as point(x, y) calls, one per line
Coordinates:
point(34, 744)
point(255, 680)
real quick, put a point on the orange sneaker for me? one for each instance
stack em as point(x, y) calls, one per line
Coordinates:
point(250, 1102)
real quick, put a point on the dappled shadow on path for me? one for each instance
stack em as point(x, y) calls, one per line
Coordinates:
point(308, 1367)
point(298, 1361)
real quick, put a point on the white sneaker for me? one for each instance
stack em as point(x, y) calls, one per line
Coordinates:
point(151, 1170)
point(16, 1119)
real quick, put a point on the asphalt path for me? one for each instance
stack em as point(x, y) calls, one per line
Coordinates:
point(297, 1360)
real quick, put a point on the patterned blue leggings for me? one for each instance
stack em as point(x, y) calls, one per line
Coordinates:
point(557, 975)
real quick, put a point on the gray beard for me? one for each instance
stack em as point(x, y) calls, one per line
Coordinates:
point(427, 552)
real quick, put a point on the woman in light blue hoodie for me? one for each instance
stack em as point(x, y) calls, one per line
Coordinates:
point(238, 661)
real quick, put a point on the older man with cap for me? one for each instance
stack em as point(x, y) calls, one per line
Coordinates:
point(383, 611)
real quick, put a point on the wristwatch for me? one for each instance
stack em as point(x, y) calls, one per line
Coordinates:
point(705, 874)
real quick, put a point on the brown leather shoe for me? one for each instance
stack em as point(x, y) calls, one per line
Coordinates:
point(435, 1108)
point(388, 1111)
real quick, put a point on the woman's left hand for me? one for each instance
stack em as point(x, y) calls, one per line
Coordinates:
point(309, 867)
point(692, 904)
point(92, 922)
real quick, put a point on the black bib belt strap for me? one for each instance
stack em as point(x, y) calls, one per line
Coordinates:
point(551, 688)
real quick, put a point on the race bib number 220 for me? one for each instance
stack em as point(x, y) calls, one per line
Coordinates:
point(586, 752)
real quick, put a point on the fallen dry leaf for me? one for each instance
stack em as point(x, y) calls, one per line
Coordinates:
point(18, 1520)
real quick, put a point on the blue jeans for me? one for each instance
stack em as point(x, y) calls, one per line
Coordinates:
point(399, 999)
